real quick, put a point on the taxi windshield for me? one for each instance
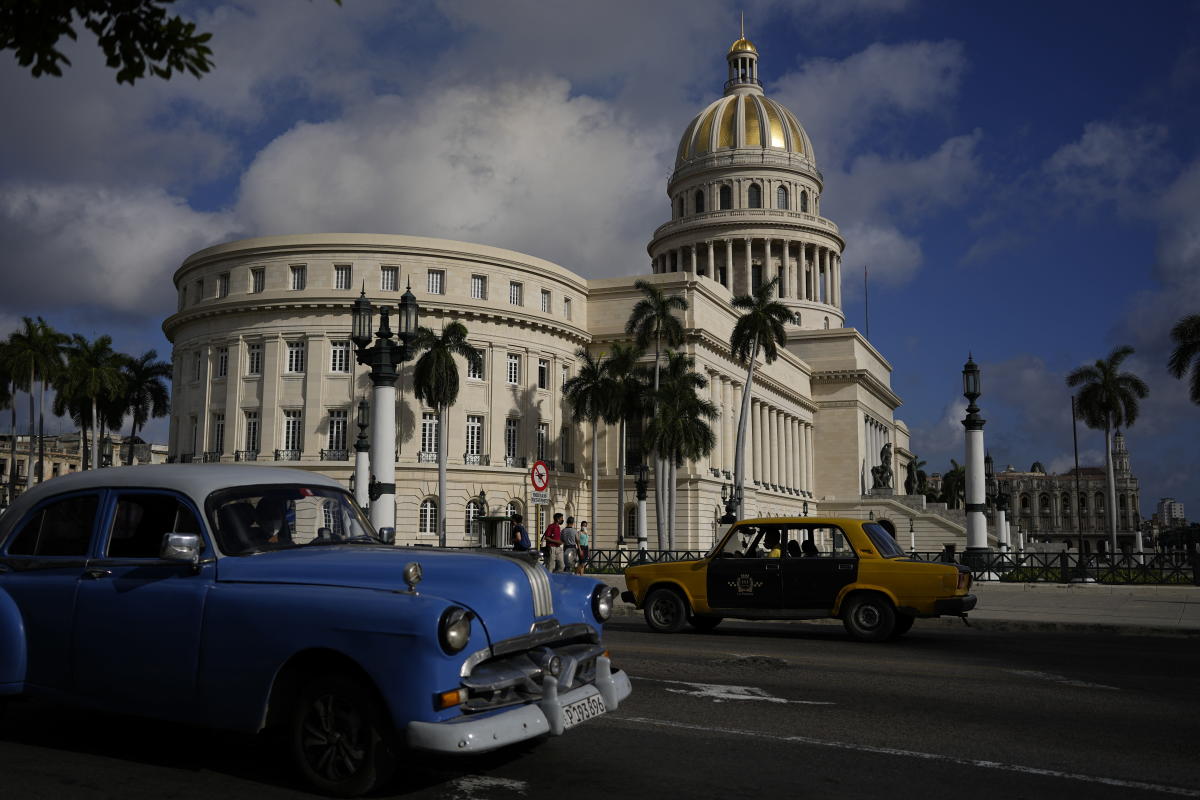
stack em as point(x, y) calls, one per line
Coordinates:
point(254, 519)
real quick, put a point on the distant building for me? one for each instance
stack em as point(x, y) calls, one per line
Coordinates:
point(1050, 508)
point(1170, 514)
point(63, 454)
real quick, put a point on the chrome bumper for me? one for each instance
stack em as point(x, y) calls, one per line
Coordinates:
point(479, 734)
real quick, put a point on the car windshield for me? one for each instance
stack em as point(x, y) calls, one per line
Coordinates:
point(882, 540)
point(253, 519)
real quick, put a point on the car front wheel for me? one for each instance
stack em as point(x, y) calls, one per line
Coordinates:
point(869, 618)
point(338, 738)
point(665, 611)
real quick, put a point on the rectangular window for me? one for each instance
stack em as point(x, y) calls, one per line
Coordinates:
point(252, 431)
point(222, 362)
point(479, 287)
point(389, 278)
point(223, 285)
point(475, 370)
point(254, 355)
point(474, 435)
point(566, 308)
point(341, 277)
point(429, 432)
point(293, 429)
point(566, 375)
point(564, 444)
point(546, 301)
point(339, 358)
point(514, 369)
point(199, 290)
point(198, 356)
point(295, 362)
point(543, 373)
point(182, 297)
point(218, 433)
point(436, 283)
point(299, 278)
point(543, 438)
point(337, 429)
point(258, 279)
point(512, 437)
point(515, 294)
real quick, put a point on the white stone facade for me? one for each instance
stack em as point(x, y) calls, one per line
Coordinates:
point(251, 311)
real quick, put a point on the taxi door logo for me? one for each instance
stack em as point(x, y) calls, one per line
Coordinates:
point(745, 584)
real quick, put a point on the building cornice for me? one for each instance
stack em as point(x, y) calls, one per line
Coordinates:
point(860, 377)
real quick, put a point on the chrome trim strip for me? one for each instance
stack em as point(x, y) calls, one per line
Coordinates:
point(539, 584)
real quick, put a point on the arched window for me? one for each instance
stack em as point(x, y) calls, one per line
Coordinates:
point(1082, 504)
point(1025, 503)
point(1044, 503)
point(781, 197)
point(804, 202)
point(1099, 503)
point(1066, 504)
point(428, 522)
point(471, 523)
point(1121, 501)
point(726, 198)
point(699, 201)
point(754, 196)
point(513, 507)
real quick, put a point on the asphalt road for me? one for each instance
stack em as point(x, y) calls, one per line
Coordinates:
point(748, 711)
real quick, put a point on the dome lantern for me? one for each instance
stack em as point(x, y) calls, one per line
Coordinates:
point(743, 64)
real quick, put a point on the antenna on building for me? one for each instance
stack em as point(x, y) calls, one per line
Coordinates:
point(866, 303)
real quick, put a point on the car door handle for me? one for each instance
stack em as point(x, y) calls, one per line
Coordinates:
point(5, 568)
point(845, 566)
point(773, 566)
point(95, 573)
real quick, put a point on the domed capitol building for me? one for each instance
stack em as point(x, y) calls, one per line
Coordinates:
point(265, 369)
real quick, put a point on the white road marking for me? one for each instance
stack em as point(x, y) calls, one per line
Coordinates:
point(719, 693)
point(1065, 681)
point(893, 751)
point(470, 787)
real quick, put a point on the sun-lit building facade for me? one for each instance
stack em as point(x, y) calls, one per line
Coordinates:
point(265, 371)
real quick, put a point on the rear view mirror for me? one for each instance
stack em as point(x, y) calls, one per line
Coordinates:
point(387, 535)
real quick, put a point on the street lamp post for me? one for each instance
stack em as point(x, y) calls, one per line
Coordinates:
point(732, 498)
point(640, 486)
point(382, 358)
point(1075, 512)
point(362, 456)
point(975, 506)
point(912, 536)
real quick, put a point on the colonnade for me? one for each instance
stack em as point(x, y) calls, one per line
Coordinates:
point(779, 443)
point(806, 271)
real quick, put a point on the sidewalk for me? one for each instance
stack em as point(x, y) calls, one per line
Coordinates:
point(1075, 607)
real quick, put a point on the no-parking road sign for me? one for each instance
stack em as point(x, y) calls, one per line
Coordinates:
point(539, 476)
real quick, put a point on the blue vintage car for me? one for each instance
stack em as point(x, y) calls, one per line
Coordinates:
point(243, 598)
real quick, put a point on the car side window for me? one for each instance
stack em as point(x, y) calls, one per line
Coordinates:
point(821, 541)
point(59, 528)
point(140, 520)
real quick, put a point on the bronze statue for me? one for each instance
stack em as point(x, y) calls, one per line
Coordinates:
point(882, 475)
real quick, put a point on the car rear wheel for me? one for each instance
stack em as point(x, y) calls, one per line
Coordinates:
point(704, 624)
point(338, 738)
point(904, 623)
point(665, 611)
point(869, 618)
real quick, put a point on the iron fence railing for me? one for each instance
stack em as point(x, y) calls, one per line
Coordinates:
point(1172, 568)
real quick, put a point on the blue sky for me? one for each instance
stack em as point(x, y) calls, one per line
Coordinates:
point(1022, 179)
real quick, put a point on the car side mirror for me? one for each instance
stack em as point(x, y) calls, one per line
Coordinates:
point(387, 535)
point(181, 547)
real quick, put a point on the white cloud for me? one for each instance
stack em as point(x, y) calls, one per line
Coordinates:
point(1111, 163)
point(519, 165)
point(83, 244)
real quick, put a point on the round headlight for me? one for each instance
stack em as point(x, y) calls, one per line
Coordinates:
point(454, 629)
point(602, 602)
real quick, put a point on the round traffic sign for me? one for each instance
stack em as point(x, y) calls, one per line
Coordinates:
point(539, 476)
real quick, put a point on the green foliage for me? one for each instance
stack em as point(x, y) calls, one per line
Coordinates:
point(1186, 355)
point(1109, 397)
point(146, 394)
point(679, 429)
point(435, 376)
point(652, 318)
point(760, 328)
point(954, 485)
point(592, 393)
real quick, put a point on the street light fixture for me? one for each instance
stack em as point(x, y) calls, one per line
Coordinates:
point(362, 457)
point(643, 477)
point(912, 536)
point(731, 496)
point(382, 358)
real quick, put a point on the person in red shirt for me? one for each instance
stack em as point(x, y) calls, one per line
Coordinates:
point(552, 539)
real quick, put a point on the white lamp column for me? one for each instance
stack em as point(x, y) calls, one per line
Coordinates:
point(976, 516)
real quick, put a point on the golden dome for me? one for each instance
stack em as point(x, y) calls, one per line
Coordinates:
point(738, 121)
point(743, 45)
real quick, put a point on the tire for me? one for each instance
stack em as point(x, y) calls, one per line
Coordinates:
point(904, 623)
point(338, 738)
point(665, 611)
point(704, 624)
point(869, 618)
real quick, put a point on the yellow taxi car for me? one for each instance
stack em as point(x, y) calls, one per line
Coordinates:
point(801, 568)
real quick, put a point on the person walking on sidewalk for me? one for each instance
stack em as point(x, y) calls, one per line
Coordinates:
point(520, 536)
point(552, 539)
point(584, 543)
point(570, 542)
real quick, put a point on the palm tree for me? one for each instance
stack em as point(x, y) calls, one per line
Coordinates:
point(92, 376)
point(591, 394)
point(679, 429)
point(630, 398)
point(435, 382)
point(954, 485)
point(651, 319)
point(146, 394)
point(36, 359)
point(1108, 400)
point(759, 330)
point(1186, 354)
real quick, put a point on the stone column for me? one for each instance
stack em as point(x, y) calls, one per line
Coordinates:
point(729, 264)
point(791, 452)
point(778, 445)
point(810, 460)
point(714, 396)
point(692, 247)
point(712, 263)
point(767, 265)
point(748, 270)
point(755, 459)
point(728, 424)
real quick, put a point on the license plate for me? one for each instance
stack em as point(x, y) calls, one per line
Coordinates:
point(583, 710)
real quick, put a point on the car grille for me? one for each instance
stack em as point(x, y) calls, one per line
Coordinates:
point(517, 672)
